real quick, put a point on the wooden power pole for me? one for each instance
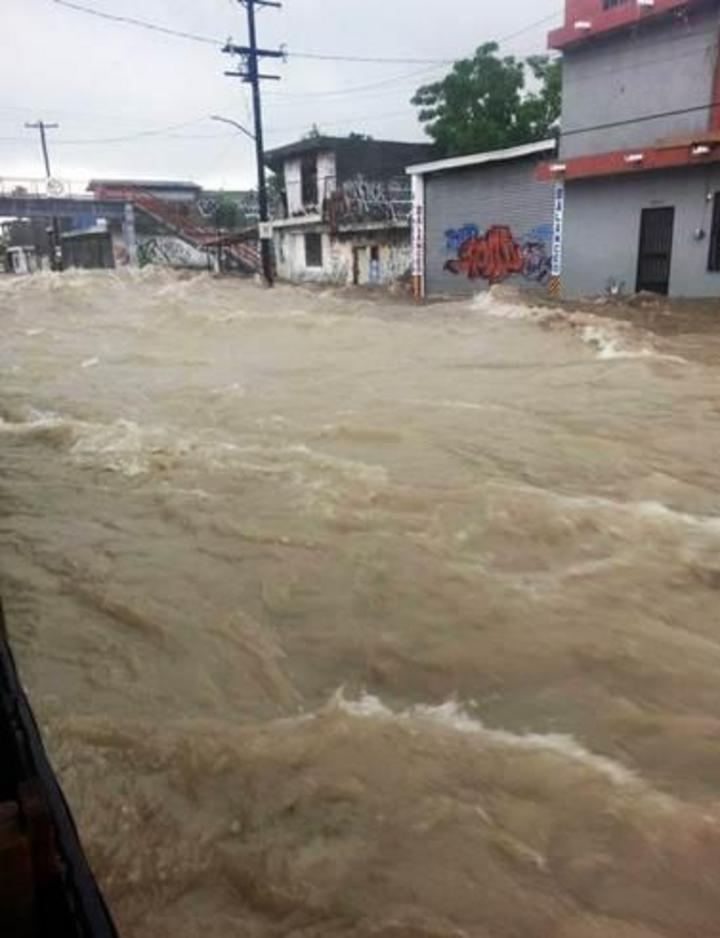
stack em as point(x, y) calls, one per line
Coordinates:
point(55, 244)
point(250, 73)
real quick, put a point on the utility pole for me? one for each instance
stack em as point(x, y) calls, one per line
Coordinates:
point(55, 246)
point(250, 56)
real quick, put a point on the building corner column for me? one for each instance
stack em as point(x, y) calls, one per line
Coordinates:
point(130, 234)
point(418, 236)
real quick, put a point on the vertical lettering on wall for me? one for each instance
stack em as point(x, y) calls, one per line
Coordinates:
point(418, 236)
point(557, 238)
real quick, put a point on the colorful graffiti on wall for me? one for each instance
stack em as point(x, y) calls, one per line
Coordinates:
point(496, 255)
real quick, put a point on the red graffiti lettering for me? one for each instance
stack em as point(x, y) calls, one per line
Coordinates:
point(494, 256)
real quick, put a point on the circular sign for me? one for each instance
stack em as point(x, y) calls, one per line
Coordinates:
point(55, 187)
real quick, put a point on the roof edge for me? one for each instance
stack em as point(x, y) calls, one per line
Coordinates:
point(478, 159)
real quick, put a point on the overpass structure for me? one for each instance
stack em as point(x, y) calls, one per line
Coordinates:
point(122, 208)
point(42, 206)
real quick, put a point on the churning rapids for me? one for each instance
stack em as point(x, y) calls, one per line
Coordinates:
point(344, 618)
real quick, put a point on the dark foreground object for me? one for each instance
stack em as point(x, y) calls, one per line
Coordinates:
point(46, 887)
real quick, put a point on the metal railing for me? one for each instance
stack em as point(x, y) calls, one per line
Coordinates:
point(172, 217)
point(54, 188)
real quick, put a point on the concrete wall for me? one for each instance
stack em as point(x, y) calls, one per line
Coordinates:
point(91, 250)
point(339, 256)
point(169, 251)
point(293, 186)
point(602, 230)
point(485, 225)
point(327, 174)
point(290, 255)
point(666, 66)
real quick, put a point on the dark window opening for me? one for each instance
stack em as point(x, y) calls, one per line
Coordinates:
point(309, 176)
point(714, 259)
point(313, 250)
point(375, 253)
point(611, 4)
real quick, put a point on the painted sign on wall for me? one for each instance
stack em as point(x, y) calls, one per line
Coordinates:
point(557, 234)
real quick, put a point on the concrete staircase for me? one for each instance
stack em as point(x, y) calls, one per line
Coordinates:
point(169, 216)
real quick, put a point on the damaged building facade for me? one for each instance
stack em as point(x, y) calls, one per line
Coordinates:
point(346, 208)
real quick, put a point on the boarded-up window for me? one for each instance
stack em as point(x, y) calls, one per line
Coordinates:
point(313, 250)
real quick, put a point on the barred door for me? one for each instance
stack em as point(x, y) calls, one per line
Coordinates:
point(654, 258)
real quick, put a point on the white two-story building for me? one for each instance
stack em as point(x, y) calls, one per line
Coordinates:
point(346, 209)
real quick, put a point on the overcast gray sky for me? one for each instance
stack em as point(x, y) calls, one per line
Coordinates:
point(102, 81)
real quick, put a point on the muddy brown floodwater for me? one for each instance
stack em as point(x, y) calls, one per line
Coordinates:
point(344, 618)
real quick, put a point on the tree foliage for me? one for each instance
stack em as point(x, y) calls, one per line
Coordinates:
point(226, 216)
point(484, 102)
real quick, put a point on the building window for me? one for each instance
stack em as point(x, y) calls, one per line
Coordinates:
point(309, 177)
point(714, 259)
point(313, 250)
point(611, 4)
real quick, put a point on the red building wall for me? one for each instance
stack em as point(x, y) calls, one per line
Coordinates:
point(603, 21)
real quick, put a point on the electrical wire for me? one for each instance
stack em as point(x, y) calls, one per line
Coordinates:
point(318, 56)
point(353, 89)
point(639, 120)
point(142, 24)
point(168, 131)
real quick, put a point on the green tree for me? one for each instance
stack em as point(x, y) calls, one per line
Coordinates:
point(483, 103)
point(542, 107)
point(226, 214)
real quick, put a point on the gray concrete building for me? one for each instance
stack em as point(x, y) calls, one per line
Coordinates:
point(639, 152)
point(482, 219)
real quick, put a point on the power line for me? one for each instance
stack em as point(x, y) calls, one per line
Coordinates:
point(142, 24)
point(168, 131)
point(639, 120)
point(158, 132)
point(355, 89)
point(317, 56)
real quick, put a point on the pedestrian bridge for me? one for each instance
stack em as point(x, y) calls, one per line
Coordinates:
point(39, 206)
point(30, 201)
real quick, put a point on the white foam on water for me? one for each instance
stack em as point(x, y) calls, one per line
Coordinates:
point(488, 304)
point(90, 363)
point(610, 346)
point(613, 343)
point(649, 510)
point(32, 420)
point(612, 340)
point(452, 716)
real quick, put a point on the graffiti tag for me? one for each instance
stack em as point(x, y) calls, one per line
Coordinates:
point(492, 256)
point(454, 237)
point(536, 263)
point(496, 255)
point(360, 200)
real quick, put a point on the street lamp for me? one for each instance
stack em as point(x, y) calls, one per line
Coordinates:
point(248, 133)
point(228, 120)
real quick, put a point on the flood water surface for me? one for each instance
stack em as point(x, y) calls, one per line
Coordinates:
point(345, 618)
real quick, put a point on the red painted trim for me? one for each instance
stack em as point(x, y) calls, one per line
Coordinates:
point(613, 163)
point(603, 21)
